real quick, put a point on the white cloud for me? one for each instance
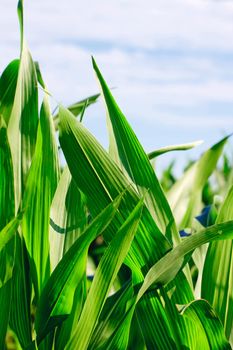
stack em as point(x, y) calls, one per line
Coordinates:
point(162, 55)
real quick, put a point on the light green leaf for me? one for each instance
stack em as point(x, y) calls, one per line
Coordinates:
point(137, 164)
point(203, 327)
point(217, 279)
point(22, 127)
point(157, 335)
point(167, 267)
point(185, 195)
point(160, 274)
point(56, 300)
point(39, 194)
point(101, 181)
point(68, 217)
point(7, 233)
point(113, 311)
point(105, 275)
point(182, 147)
point(77, 108)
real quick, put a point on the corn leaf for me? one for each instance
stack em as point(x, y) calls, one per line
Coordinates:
point(167, 267)
point(217, 279)
point(185, 195)
point(20, 315)
point(8, 83)
point(6, 178)
point(6, 271)
point(68, 217)
point(8, 226)
point(105, 274)
point(203, 327)
point(57, 297)
point(160, 274)
point(101, 181)
point(38, 196)
point(131, 155)
point(23, 121)
point(182, 147)
point(77, 108)
point(110, 317)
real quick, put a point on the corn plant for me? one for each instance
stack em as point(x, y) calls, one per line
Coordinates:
point(95, 255)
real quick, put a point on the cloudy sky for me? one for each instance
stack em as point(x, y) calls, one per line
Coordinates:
point(170, 61)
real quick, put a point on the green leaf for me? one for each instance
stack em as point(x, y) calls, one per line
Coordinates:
point(125, 146)
point(203, 327)
point(160, 274)
point(137, 164)
point(113, 311)
point(168, 266)
point(77, 108)
point(68, 217)
point(217, 279)
point(38, 196)
point(6, 178)
point(182, 147)
point(6, 271)
point(101, 181)
point(20, 315)
point(8, 227)
point(22, 126)
point(7, 233)
point(157, 335)
point(57, 297)
point(105, 275)
point(8, 83)
point(185, 195)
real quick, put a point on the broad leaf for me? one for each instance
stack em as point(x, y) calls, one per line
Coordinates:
point(105, 274)
point(185, 195)
point(7, 230)
point(56, 300)
point(101, 181)
point(203, 327)
point(137, 164)
point(8, 83)
point(217, 279)
point(68, 217)
point(22, 127)
point(38, 196)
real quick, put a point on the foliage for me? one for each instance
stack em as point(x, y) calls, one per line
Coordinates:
point(101, 254)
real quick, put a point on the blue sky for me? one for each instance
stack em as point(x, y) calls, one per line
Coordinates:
point(171, 62)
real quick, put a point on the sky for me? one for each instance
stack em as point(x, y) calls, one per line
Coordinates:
point(170, 63)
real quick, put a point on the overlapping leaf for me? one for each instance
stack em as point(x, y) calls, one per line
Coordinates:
point(137, 164)
point(217, 279)
point(41, 186)
point(105, 274)
point(7, 229)
point(23, 121)
point(8, 83)
point(57, 298)
point(101, 181)
point(68, 217)
point(185, 195)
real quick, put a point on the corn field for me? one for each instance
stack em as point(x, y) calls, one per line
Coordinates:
point(100, 254)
